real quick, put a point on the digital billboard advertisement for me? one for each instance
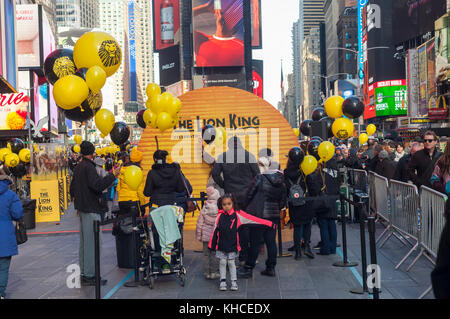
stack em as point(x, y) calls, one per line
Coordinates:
point(132, 49)
point(166, 24)
point(258, 76)
point(361, 5)
point(256, 24)
point(391, 98)
point(218, 29)
point(28, 39)
point(169, 66)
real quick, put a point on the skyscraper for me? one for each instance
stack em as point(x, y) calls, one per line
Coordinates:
point(311, 72)
point(77, 13)
point(312, 14)
point(297, 40)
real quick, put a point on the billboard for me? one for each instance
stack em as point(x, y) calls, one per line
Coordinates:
point(28, 39)
point(415, 17)
point(256, 24)
point(169, 65)
point(235, 80)
point(13, 111)
point(412, 78)
point(361, 5)
point(132, 51)
point(442, 36)
point(9, 43)
point(390, 98)
point(218, 33)
point(258, 76)
point(166, 24)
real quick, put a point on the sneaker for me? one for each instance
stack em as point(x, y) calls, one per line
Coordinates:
point(223, 285)
point(214, 275)
point(317, 247)
point(234, 285)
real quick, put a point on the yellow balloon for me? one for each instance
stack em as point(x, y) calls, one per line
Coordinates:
point(103, 135)
point(296, 131)
point(133, 177)
point(70, 91)
point(175, 120)
point(156, 104)
point(363, 138)
point(164, 121)
point(77, 139)
point(3, 152)
point(166, 100)
point(104, 120)
point(24, 155)
point(11, 160)
point(342, 128)
point(95, 78)
point(77, 148)
point(333, 106)
point(152, 89)
point(371, 129)
point(97, 48)
point(173, 107)
point(309, 165)
point(326, 151)
point(149, 118)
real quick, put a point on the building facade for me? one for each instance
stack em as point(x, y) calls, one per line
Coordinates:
point(347, 31)
point(312, 15)
point(311, 73)
point(297, 41)
point(77, 13)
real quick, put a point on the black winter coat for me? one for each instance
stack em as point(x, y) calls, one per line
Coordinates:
point(163, 182)
point(385, 168)
point(298, 215)
point(87, 187)
point(239, 167)
point(401, 170)
point(421, 162)
point(266, 195)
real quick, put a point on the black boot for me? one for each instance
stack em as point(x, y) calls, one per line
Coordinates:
point(270, 272)
point(292, 248)
point(308, 252)
point(245, 272)
point(298, 253)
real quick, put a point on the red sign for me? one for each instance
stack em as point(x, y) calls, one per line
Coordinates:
point(257, 85)
point(13, 111)
point(369, 111)
point(166, 23)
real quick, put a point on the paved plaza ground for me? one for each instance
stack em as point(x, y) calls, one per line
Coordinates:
point(39, 271)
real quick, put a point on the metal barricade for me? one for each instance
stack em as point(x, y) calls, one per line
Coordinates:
point(381, 200)
point(405, 214)
point(357, 179)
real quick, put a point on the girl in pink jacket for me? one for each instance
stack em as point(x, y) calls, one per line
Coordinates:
point(205, 226)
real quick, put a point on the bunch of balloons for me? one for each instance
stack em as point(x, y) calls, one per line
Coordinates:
point(364, 137)
point(162, 109)
point(15, 156)
point(78, 76)
point(343, 111)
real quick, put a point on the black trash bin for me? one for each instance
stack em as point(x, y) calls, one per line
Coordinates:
point(125, 251)
point(29, 213)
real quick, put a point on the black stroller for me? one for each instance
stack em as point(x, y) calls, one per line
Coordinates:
point(152, 264)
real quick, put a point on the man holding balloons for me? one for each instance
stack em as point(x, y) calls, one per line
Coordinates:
point(86, 189)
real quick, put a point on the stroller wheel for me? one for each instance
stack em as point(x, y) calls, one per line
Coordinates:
point(183, 270)
point(182, 279)
point(151, 282)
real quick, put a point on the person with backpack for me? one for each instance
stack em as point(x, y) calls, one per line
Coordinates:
point(300, 217)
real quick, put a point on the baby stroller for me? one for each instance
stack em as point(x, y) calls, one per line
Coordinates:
point(157, 260)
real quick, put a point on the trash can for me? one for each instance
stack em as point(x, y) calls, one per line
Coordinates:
point(29, 213)
point(125, 251)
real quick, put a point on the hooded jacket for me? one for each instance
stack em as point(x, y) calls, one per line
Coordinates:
point(225, 236)
point(208, 215)
point(11, 209)
point(238, 167)
point(163, 182)
point(266, 195)
point(87, 187)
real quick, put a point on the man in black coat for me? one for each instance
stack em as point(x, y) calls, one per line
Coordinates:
point(421, 165)
point(385, 166)
point(266, 197)
point(86, 190)
point(238, 168)
point(373, 162)
point(401, 170)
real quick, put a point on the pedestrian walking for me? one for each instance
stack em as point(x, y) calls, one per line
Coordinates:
point(422, 163)
point(10, 210)
point(266, 197)
point(224, 238)
point(86, 189)
point(205, 226)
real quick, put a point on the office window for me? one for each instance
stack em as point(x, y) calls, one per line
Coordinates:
point(348, 56)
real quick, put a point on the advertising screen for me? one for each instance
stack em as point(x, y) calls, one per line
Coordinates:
point(13, 111)
point(391, 98)
point(132, 51)
point(256, 24)
point(415, 17)
point(236, 80)
point(258, 76)
point(166, 24)
point(169, 65)
point(218, 33)
point(28, 39)
point(10, 43)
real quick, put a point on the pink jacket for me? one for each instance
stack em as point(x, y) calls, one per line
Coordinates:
point(208, 215)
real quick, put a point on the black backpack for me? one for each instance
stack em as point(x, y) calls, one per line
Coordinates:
point(296, 196)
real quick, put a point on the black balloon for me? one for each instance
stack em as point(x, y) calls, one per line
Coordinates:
point(140, 119)
point(58, 64)
point(123, 147)
point(329, 122)
point(352, 107)
point(19, 171)
point(81, 73)
point(305, 127)
point(313, 148)
point(16, 145)
point(88, 108)
point(209, 133)
point(120, 133)
point(318, 113)
point(296, 155)
point(317, 138)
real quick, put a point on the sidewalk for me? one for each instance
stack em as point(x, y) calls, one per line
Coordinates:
point(39, 271)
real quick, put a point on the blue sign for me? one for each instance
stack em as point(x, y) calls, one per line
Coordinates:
point(361, 5)
point(347, 93)
point(132, 46)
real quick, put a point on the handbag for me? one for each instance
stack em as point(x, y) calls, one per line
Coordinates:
point(21, 232)
point(191, 206)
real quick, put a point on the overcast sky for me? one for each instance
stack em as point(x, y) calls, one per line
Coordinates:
point(277, 20)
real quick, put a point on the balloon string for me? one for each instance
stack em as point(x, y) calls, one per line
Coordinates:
point(157, 144)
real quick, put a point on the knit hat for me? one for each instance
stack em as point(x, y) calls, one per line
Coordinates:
point(87, 148)
point(136, 155)
point(383, 154)
point(264, 162)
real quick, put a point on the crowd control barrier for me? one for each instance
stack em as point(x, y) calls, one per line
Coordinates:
point(358, 187)
point(379, 200)
point(405, 212)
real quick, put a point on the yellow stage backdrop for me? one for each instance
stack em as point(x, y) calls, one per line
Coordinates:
point(46, 194)
point(262, 126)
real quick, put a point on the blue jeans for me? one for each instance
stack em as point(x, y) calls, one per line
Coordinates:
point(302, 232)
point(328, 235)
point(5, 262)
